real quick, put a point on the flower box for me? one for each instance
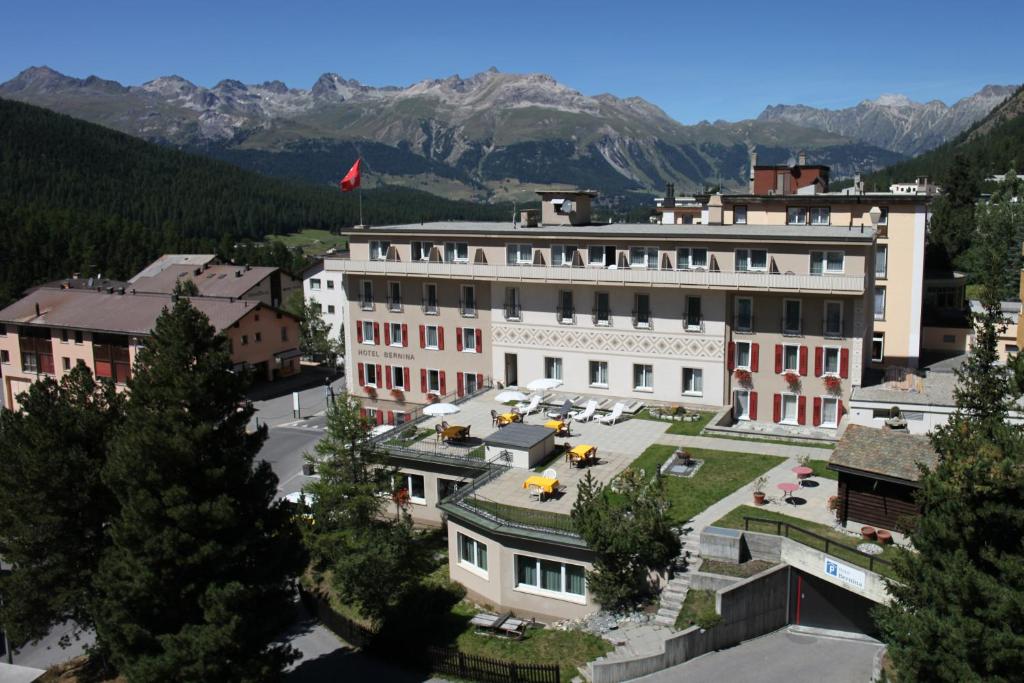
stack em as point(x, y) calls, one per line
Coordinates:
point(397, 394)
point(370, 391)
point(832, 383)
point(742, 376)
point(792, 378)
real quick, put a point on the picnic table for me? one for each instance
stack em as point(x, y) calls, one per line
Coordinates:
point(499, 625)
point(558, 425)
point(508, 418)
point(582, 454)
point(547, 485)
point(454, 433)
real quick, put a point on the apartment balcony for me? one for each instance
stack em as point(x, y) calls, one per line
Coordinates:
point(562, 275)
point(743, 324)
point(394, 305)
point(513, 312)
point(792, 327)
point(602, 317)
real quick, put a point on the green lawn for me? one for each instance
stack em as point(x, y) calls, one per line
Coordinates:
point(410, 437)
point(699, 609)
point(677, 426)
point(734, 520)
point(780, 442)
point(822, 471)
point(722, 473)
point(312, 241)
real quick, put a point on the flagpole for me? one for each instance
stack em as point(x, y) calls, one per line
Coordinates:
point(361, 224)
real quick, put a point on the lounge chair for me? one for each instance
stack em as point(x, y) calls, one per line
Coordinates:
point(562, 412)
point(586, 414)
point(531, 407)
point(612, 417)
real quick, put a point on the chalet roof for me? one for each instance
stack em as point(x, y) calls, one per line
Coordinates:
point(168, 260)
point(883, 453)
point(212, 280)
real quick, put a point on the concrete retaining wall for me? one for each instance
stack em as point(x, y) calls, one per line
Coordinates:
point(711, 582)
point(766, 547)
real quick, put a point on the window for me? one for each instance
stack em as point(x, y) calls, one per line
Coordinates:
point(881, 260)
point(739, 214)
point(829, 411)
point(791, 321)
point(884, 218)
point(691, 258)
point(833, 323)
point(827, 262)
point(820, 215)
point(552, 368)
point(414, 484)
point(693, 381)
point(314, 284)
point(741, 404)
point(562, 254)
point(642, 310)
point(467, 301)
point(469, 340)
point(5, 356)
point(434, 381)
point(78, 336)
point(472, 552)
point(366, 295)
point(430, 337)
point(513, 306)
point(879, 303)
point(317, 306)
point(469, 383)
point(284, 333)
point(751, 259)
point(421, 250)
point(519, 254)
point(3, 330)
point(379, 250)
point(643, 257)
point(534, 573)
point(371, 378)
point(744, 314)
point(394, 296)
point(830, 360)
point(456, 252)
point(789, 409)
point(445, 487)
point(245, 340)
point(63, 336)
point(796, 215)
point(368, 332)
point(110, 355)
point(258, 337)
point(396, 334)
point(742, 359)
point(430, 298)
point(565, 312)
point(397, 377)
point(602, 308)
point(949, 339)
point(601, 256)
point(643, 377)
point(790, 358)
point(599, 373)
point(944, 297)
point(330, 284)
point(878, 347)
point(694, 318)
point(330, 308)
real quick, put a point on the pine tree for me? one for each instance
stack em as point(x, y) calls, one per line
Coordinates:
point(952, 221)
point(53, 505)
point(197, 584)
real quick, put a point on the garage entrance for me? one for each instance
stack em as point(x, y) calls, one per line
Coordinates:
point(817, 603)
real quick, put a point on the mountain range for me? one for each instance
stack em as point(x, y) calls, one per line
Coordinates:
point(491, 136)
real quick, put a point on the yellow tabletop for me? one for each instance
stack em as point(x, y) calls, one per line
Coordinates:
point(505, 418)
point(453, 431)
point(557, 425)
point(545, 484)
point(583, 451)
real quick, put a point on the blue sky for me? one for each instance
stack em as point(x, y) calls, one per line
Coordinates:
point(707, 61)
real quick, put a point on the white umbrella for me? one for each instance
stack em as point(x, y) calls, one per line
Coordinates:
point(435, 409)
point(506, 396)
point(544, 383)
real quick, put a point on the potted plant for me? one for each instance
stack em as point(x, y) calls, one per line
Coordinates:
point(758, 488)
point(833, 383)
point(896, 419)
point(398, 394)
point(433, 398)
point(792, 378)
point(832, 505)
point(742, 375)
point(370, 391)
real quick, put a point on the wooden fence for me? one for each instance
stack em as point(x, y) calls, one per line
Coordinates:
point(346, 629)
point(451, 662)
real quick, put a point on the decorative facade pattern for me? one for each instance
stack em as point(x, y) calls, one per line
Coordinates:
point(684, 347)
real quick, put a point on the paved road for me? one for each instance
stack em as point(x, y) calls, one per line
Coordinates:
point(284, 450)
point(780, 656)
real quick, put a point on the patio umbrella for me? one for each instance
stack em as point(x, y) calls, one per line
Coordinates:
point(544, 383)
point(435, 409)
point(506, 396)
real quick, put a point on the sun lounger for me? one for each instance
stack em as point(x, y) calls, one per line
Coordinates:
point(587, 413)
point(614, 416)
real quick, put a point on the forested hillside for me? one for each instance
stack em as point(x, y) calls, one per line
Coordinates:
point(75, 196)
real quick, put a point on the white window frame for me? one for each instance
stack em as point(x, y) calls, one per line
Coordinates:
point(686, 313)
point(396, 327)
point(645, 324)
point(437, 299)
point(420, 250)
point(563, 254)
point(562, 594)
point(835, 401)
point(816, 213)
point(648, 257)
point(696, 380)
point(520, 248)
point(838, 355)
point(736, 393)
point(601, 250)
point(367, 369)
point(736, 213)
point(792, 211)
point(878, 337)
point(426, 337)
point(366, 298)
point(398, 377)
point(750, 326)
point(796, 365)
point(750, 354)
point(465, 310)
point(644, 375)
point(435, 386)
point(379, 250)
point(824, 317)
point(469, 340)
point(879, 315)
point(883, 250)
point(822, 260)
point(608, 311)
point(795, 401)
point(368, 338)
point(688, 260)
point(883, 219)
point(556, 366)
point(602, 368)
point(314, 284)
point(472, 564)
point(407, 478)
point(394, 303)
point(745, 256)
point(468, 377)
point(451, 252)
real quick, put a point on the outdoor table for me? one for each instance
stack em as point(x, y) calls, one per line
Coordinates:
point(547, 485)
point(787, 488)
point(508, 418)
point(454, 432)
point(582, 453)
point(557, 425)
point(802, 472)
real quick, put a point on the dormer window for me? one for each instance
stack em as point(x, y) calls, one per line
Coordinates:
point(421, 251)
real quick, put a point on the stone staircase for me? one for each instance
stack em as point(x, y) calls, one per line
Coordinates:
point(674, 593)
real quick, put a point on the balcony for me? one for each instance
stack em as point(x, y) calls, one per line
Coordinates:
point(366, 304)
point(602, 317)
point(642, 319)
point(649, 277)
point(694, 324)
point(565, 315)
point(743, 324)
point(394, 305)
point(430, 306)
point(467, 308)
point(513, 312)
point(792, 327)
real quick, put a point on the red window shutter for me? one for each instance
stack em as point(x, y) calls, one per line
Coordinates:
point(778, 359)
point(479, 380)
point(405, 334)
point(362, 413)
point(359, 331)
point(376, 333)
point(423, 380)
point(387, 334)
point(732, 356)
point(379, 383)
point(380, 417)
point(361, 375)
point(423, 336)
point(440, 339)
point(406, 384)
point(777, 408)
point(388, 376)
point(801, 410)
point(444, 387)
point(803, 361)
point(461, 387)
point(755, 357)
point(391, 417)
point(819, 354)
point(817, 411)
point(844, 363)
point(458, 338)
point(753, 405)
point(479, 341)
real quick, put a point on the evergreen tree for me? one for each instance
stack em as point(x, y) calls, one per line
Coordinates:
point(952, 221)
point(315, 338)
point(958, 598)
point(197, 584)
point(53, 505)
point(629, 532)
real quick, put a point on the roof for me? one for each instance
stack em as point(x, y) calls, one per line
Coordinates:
point(624, 230)
point(935, 389)
point(831, 197)
point(518, 435)
point(168, 260)
point(883, 452)
point(84, 309)
point(567, 191)
point(85, 283)
point(212, 280)
point(1010, 309)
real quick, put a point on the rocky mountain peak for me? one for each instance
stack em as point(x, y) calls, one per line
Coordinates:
point(891, 100)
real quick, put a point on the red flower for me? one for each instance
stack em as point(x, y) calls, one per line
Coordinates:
point(791, 377)
point(370, 391)
point(742, 376)
point(832, 382)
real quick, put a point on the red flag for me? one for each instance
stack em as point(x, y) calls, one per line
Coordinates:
point(352, 178)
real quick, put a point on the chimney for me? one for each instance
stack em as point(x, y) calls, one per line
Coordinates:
point(753, 163)
point(858, 183)
point(715, 209)
point(37, 310)
point(801, 159)
point(670, 195)
point(120, 290)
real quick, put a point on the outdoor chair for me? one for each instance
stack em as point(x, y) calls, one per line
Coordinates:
point(531, 407)
point(438, 432)
point(586, 414)
point(494, 418)
point(444, 424)
point(562, 412)
point(612, 417)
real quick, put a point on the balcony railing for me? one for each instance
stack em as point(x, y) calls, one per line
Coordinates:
point(791, 327)
point(643, 320)
point(366, 304)
point(694, 324)
point(565, 315)
point(394, 305)
point(602, 317)
point(851, 284)
point(430, 306)
point(513, 312)
point(467, 308)
point(743, 324)
point(832, 330)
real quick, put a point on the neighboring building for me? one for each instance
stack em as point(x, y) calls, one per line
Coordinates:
point(787, 179)
point(879, 476)
point(945, 326)
point(703, 316)
point(48, 331)
point(672, 210)
point(1008, 342)
point(268, 284)
point(325, 291)
point(921, 185)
